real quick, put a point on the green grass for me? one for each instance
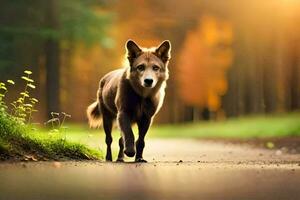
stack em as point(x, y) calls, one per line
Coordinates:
point(19, 142)
point(279, 125)
point(80, 142)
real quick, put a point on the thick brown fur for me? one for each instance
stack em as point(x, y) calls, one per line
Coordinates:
point(129, 95)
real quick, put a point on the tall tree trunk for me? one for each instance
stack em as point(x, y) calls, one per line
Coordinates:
point(52, 60)
point(294, 78)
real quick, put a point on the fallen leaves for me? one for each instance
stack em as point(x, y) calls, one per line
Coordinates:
point(30, 158)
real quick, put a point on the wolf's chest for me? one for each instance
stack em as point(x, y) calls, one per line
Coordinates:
point(144, 107)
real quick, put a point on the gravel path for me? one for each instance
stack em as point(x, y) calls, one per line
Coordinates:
point(177, 169)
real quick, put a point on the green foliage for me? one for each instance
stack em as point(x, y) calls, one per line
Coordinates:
point(18, 142)
point(25, 21)
point(245, 127)
point(19, 139)
point(77, 19)
point(24, 106)
point(82, 21)
point(57, 121)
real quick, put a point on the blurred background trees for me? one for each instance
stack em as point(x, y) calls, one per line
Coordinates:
point(229, 58)
point(205, 65)
point(40, 36)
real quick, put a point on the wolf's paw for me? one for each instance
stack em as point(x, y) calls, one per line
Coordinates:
point(120, 160)
point(130, 152)
point(108, 158)
point(140, 160)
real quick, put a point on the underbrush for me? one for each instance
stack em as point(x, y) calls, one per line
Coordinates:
point(20, 140)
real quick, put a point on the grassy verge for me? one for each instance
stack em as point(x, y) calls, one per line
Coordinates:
point(270, 126)
point(280, 125)
point(19, 142)
point(79, 141)
point(262, 127)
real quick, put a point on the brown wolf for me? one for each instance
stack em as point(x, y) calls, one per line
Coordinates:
point(132, 95)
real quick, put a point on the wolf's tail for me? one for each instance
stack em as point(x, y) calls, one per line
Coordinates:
point(94, 115)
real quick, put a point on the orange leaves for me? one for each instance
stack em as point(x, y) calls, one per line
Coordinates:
point(204, 60)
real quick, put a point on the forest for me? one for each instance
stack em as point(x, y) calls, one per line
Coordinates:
point(229, 126)
point(228, 59)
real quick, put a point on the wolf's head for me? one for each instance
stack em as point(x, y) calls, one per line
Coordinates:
point(148, 66)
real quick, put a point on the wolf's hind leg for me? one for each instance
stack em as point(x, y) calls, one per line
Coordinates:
point(143, 126)
point(107, 125)
point(121, 153)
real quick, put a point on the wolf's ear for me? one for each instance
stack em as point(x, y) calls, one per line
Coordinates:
point(133, 50)
point(164, 51)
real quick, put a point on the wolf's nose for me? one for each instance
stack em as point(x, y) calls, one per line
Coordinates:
point(148, 82)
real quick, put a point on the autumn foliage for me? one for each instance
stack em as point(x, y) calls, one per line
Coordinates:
point(205, 58)
point(228, 57)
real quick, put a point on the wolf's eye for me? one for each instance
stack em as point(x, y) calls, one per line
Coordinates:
point(155, 68)
point(140, 67)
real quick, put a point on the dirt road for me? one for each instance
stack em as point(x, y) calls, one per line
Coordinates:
point(177, 169)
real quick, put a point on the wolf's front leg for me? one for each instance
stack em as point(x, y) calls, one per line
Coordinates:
point(127, 134)
point(143, 126)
